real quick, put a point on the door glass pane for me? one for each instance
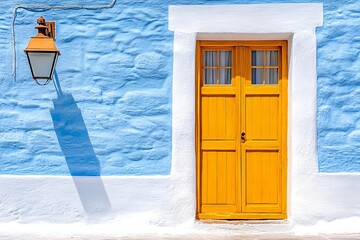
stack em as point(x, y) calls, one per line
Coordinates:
point(271, 58)
point(225, 58)
point(225, 76)
point(256, 75)
point(271, 76)
point(257, 58)
point(210, 76)
point(210, 58)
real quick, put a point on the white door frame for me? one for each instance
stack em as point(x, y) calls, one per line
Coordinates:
point(293, 22)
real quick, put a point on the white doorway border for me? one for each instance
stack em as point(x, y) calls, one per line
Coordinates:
point(293, 22)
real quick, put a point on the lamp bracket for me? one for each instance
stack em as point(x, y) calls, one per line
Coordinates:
point(51, 29)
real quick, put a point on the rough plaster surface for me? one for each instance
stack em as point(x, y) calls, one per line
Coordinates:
point(338, 118)
point(128, 109)
point(117, 65)
point(115, 72)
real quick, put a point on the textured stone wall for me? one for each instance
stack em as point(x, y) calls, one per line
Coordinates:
point(338, 96)
point(113, 115)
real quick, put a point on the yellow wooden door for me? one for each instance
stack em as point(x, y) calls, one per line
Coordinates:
point(241, 130)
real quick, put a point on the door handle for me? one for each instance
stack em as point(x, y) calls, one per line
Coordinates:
point(243, 139)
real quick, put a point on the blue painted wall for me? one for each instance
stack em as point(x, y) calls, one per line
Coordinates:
point(338, 96)
point(113, 115)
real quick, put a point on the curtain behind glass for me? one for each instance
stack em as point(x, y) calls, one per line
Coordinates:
point(257, 73)
point(271, 76)
point(210, 74)
point(225, 61)
point(271, 58)
point(264, 59)
point(217, 67)
point(210, 58)
point(257, 58)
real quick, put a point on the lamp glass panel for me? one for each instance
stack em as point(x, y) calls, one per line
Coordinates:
point(42, 63)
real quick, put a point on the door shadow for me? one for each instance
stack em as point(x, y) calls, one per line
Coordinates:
point(81, 159)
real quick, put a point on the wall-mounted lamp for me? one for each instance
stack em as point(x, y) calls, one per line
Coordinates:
point(41, 51)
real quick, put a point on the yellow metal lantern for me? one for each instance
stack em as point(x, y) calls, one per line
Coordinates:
point(41, 52)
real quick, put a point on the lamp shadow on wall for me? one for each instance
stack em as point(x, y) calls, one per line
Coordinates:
point(81, 159)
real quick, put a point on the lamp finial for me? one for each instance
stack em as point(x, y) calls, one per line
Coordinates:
point(41, 20)
point(41, 27)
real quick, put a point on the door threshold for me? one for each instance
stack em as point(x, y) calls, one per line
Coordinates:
point(242, 221)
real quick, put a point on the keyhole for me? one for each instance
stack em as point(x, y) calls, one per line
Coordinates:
point(243, 139)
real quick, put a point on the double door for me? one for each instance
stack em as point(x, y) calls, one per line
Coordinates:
point(241, 129)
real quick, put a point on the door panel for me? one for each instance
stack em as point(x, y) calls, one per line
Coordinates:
point(262, 181)
point(218, 118)
point(218, 180)
point(262, 117)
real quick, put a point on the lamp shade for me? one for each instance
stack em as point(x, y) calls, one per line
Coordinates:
point(42, 55)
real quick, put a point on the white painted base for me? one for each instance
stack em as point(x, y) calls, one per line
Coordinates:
point(121, 206)
point(195, 231)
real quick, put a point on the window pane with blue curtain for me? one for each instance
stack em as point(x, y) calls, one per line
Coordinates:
point(265, 67)
point(217, 67)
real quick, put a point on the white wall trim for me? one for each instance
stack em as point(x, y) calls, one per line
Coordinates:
point(247, 18)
